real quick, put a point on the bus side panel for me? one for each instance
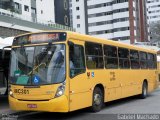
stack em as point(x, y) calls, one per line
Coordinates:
point(152, 80)
point(113, 85)
point(80, 92)
point(130, 82)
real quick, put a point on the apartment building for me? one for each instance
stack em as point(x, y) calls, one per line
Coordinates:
point(53, 11)
point(6, 4)
point(19, 16)
point(78, 15)
point(153, 10)
point(42, 11)
point(121, 20)
point(153, 15)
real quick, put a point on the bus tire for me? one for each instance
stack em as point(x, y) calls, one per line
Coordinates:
point(97, 100)
point(144, 90)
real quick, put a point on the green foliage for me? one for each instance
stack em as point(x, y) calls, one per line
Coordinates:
point(155, 31)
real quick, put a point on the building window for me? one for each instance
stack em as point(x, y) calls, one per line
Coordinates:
point(78, 16)
point(66, 20)
point(17, 5)
point(26, 8)
point(78, 25)
point(108, 13)
point(77, 0)
point(70, 10)
point(109, 21)
point(77, 8)
point(33, 10)
point(66, 5)
point(100, 5)
point(41, 11)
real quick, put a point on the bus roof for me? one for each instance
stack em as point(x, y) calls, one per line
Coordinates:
point(82, 37)
point(73, 35)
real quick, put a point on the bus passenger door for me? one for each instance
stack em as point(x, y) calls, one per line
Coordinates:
point(79, 87)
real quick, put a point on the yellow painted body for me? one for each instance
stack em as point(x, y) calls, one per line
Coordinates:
point(158, 66)
point(117, 83)
point(44, 94)
point(53, 105)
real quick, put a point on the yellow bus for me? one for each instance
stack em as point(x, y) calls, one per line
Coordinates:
point(62, 71)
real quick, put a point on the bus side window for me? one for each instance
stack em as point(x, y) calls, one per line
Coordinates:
point(110, 56)
point(155, 61)
point(94, 55)
point(76, 58)
point(123, 55)
point(143, 60)
point(134, 58)
point(151, 61)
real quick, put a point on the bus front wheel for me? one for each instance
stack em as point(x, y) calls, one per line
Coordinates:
point(97, 100)
point(144, 90)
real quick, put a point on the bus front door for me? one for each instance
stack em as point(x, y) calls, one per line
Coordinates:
point(80, 87)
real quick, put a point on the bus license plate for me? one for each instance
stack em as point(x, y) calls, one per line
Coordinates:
point(31, 105)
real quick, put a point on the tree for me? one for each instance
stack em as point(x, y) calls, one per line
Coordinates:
point(155, 32)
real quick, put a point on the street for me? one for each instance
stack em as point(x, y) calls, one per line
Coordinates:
point(113, 110)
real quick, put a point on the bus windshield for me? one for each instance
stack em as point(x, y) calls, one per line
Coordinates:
point(38, 65)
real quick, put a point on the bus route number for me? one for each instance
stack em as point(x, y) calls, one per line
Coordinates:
point(21, 91)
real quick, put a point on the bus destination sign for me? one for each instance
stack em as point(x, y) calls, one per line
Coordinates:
point(40, 38)
point(44, 37)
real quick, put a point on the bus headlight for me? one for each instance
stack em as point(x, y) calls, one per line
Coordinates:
point(60, 91)
point(10, 93)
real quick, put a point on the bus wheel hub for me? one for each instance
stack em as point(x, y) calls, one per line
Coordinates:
point(97, 99)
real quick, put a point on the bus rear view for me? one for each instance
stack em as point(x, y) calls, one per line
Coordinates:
point(38, 72)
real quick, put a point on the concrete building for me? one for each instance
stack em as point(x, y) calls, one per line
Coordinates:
point(78, 11)
point(120, 20)
point(19, 16)
point(39, 10)
point(31, 10)
point(62, 15)
point(153, 10)
point(6, 4)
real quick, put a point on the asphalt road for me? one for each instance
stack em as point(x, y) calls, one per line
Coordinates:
point(129, 108)
point(4, 106)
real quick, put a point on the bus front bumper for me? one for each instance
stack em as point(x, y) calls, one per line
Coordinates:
point(59, 104)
